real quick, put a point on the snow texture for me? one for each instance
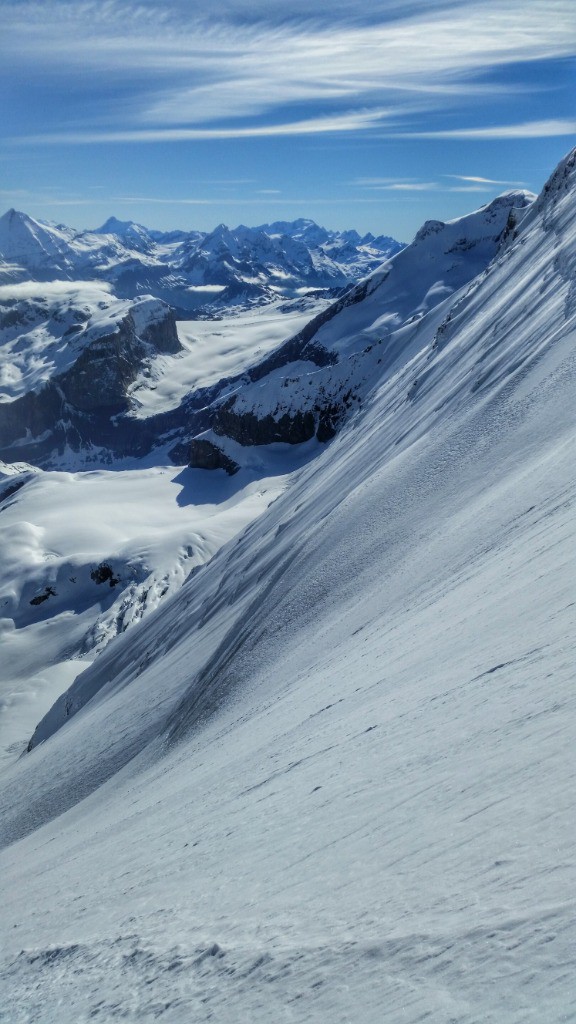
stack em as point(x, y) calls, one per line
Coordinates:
point(331, 778)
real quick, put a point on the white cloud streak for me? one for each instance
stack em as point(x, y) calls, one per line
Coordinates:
point(527, 130)
point(430, 186)
point(352, 121)
point(199, 72)
point(483, 181)
point(401, 186)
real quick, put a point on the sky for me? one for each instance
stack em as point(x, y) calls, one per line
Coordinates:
point(375, 116)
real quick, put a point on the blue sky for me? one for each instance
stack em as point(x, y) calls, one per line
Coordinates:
point(369, 115)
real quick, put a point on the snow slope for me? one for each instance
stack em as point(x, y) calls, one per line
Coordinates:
point(333, 777)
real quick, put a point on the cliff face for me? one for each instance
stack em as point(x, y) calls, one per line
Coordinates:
point(72, 380)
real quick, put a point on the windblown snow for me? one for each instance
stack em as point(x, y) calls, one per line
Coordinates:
point(331, 776)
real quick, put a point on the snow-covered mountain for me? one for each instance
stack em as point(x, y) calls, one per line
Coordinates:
point(41, 248)
point(49, 252)
point(325, 372)
point(332, 776)
point(69, 353)
point(135, 236)
point(359, 255)
point(190, 270)
point(249, 261)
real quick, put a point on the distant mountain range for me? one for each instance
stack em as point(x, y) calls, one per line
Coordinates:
point(192, 271)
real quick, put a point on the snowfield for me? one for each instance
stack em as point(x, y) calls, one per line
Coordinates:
point(212, 350)
point(151, 527)
point(331, 777)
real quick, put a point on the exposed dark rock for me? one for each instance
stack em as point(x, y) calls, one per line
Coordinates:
point(203, 454)
point(14, 486)
point(103, 573)
point(328, 423)
point(162, 335)
point(104, 370)
point(248, 429)
point(79, 407)
point(40, 598)
point(31, 415)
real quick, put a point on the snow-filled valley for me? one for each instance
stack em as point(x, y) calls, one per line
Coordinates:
point(328, 774)
point(212, 350)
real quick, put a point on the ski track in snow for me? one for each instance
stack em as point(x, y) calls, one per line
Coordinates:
point(332, 778)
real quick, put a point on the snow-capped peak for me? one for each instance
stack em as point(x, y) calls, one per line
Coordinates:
point(113, 226)
point(24, 238)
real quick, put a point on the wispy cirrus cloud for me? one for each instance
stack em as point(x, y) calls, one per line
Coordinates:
point(180, 76)
point(472, 183)
point(347, 122)
point(407, 186)
point(477, 180)
point(553, 127)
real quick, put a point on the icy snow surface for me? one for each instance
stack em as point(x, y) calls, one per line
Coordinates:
point(331, 779)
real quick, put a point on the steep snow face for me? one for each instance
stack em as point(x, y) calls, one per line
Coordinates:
point(382, 321)
point(442, 258)
point(335, 772)
point(49, 252)
point(34, 243)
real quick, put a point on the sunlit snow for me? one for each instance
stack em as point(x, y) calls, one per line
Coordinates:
point(331, 777)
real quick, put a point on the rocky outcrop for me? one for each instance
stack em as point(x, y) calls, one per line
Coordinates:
point(154, 323)
point(102, 373)
point(320, 420)
point(78, 407)
point(247, 429)
point(204, 454)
